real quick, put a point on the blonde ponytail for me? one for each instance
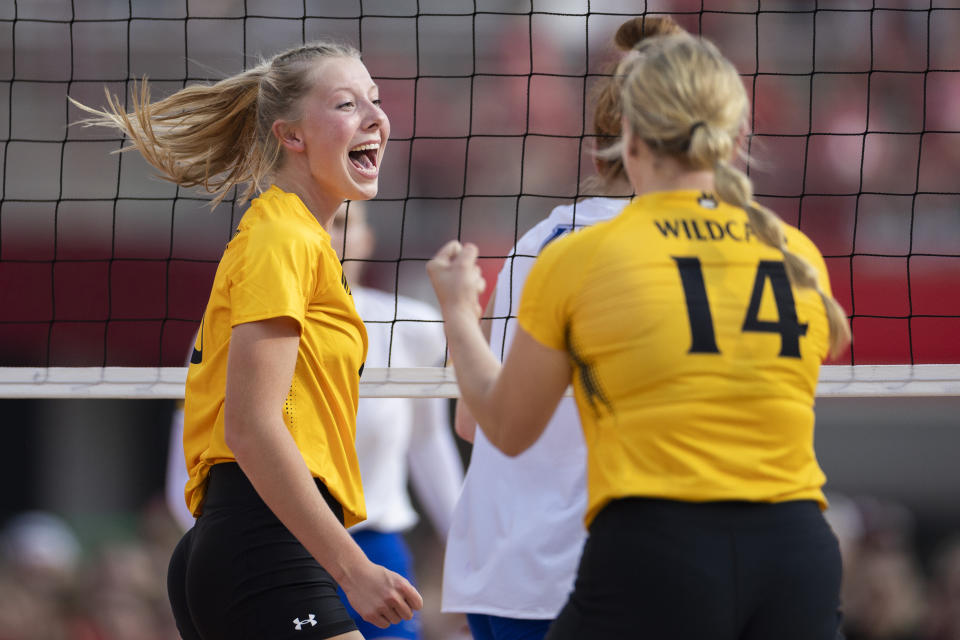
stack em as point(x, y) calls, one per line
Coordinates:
point(217, 136)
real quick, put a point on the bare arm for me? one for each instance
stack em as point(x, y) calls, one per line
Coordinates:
point(512, 403)
point(259, 371)
point(464, 422)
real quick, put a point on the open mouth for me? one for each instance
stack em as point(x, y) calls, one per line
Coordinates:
point(364, 156)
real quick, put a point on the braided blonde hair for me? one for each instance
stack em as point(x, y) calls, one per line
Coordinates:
point(218, 136)
point(685, 100)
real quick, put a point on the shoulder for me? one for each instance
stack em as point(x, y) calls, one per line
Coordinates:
point(565, 219)
point(277, 214)
point(563, 262)
point(261, 230)
point(801, 244)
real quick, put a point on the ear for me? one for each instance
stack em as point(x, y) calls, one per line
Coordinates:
point(289, 135)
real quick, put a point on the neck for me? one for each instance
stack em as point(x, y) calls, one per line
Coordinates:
point(668, 175)
point(649, 173)
point(322, 205)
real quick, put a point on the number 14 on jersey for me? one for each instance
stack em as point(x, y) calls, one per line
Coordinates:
point(701, 319)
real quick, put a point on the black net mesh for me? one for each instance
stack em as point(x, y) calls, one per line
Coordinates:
point(855, 126)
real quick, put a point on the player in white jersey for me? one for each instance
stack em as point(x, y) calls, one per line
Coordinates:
point(517, 532)
point(517, 529)
point(397, 438)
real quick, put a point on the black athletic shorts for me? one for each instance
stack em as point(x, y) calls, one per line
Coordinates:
point(240, 574)
point(663, 569)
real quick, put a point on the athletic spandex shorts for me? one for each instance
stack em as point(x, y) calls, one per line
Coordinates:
point(239, 573)
point(720, 570)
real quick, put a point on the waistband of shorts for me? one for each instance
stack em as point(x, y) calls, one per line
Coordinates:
point(228, 486)
point(731, 511)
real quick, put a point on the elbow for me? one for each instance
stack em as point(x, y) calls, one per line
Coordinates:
point(465, 430)
point(513, 451)
point(234, 442)
point(508, 438)
point(237, 435)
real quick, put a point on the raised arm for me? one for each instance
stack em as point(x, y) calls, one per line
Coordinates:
point(464, 423)
point(512, 403)
point(259, 371)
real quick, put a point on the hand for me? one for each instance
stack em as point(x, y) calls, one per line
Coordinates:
point(456, 278)
point(381, 596)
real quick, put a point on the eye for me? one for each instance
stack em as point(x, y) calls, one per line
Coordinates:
point(377, 101)
point(345, 105)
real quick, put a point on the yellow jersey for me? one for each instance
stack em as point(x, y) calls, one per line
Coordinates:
point(280, 264)
point(695, 361)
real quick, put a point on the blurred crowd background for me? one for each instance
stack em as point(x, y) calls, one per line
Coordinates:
point(856, 125)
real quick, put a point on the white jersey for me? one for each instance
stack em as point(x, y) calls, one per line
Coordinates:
point(400, 435)
point(517, 530)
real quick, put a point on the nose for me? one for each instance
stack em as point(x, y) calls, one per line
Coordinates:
point(375, 118)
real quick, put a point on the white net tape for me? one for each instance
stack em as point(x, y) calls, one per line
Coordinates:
point(433, 382)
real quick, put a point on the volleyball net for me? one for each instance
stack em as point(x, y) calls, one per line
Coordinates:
point(105, 270)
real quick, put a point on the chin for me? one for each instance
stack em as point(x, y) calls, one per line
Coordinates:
point(365, 192)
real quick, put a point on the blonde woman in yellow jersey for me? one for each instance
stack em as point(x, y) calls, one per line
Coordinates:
point(692, 327)
point(271, 396)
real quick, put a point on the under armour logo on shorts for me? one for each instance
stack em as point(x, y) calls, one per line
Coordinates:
point(298, 623)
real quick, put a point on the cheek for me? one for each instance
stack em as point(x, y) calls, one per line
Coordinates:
point(327, 148)
point(332, 133)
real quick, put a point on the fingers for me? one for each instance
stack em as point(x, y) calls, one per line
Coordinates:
point(456, 277)
point(397, 610)
point(412, 597)
point(447, 253)
point(468, 253)
point(396, 603)
point(453, 251)
point(480, 283)
point(400, 607)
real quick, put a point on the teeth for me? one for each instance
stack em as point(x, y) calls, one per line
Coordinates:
point(366, 147)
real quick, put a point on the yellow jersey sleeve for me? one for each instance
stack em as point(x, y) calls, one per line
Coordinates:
point(271, 281)
point(548, 298)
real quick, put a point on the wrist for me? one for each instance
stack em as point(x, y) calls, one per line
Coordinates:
point(457, 315)
point(347, 565)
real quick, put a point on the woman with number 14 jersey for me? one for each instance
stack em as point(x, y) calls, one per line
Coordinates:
point(692, 327)
point(687, 361)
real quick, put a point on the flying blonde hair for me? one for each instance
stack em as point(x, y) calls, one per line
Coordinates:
point(684, 99)
point(218, 136)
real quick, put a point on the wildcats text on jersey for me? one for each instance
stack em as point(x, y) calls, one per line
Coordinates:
point(705, 230)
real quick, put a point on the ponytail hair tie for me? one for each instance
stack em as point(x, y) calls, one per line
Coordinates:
point(696, 125)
